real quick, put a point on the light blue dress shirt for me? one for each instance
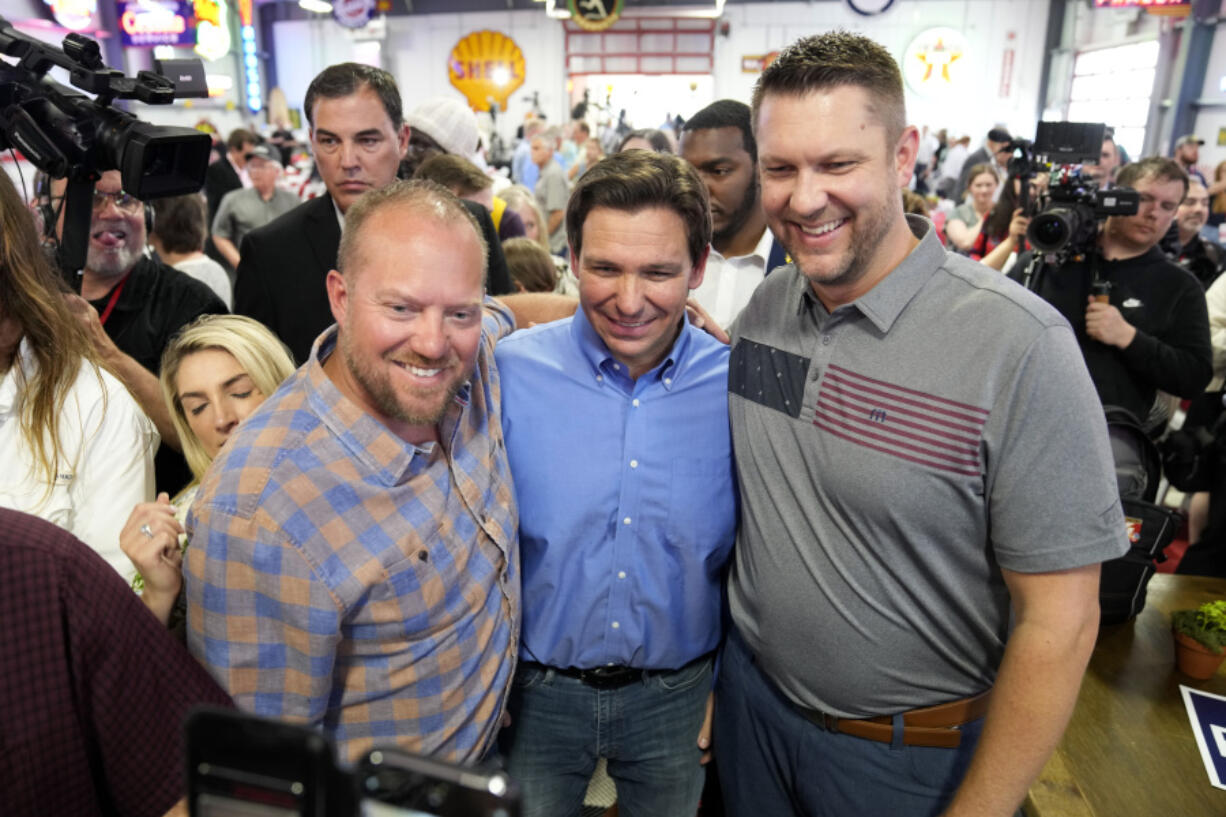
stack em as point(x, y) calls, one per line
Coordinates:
point(627, 499)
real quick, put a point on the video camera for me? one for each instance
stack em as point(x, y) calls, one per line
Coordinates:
point(68, 135)
point(1064, 220)
point(242, 765)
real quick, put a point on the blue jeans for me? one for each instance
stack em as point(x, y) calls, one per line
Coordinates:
point(774, 761)
point(646, 730)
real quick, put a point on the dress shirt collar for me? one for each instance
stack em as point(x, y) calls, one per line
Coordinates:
point(340, 217)
point(368, 440)
point(761, 251)
point(885, 302)
point(598, 355)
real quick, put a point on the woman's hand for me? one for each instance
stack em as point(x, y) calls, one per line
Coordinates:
point(150, 539)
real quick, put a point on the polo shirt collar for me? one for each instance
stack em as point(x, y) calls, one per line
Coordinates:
point(597, 354)
point(885, 302)
point(369, 441)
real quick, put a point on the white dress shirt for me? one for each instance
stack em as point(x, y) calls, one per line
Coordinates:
point(729, 282)
point(106, 459)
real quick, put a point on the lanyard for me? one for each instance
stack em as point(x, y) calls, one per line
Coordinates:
point(110, 304)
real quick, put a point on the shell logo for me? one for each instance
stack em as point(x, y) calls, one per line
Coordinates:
point(487, 67)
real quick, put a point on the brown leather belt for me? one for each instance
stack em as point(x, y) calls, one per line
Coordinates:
point(930, 726)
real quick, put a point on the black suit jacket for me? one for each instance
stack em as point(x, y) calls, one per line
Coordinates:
point(219, 179)
point(284, 265)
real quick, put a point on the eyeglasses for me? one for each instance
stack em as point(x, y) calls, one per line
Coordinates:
point(124, 202)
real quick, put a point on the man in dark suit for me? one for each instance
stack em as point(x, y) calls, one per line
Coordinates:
point(358, 136)
point(222, 177)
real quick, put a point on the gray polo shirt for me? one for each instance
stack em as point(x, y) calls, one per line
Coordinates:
point(893, 456)
point(241, 211)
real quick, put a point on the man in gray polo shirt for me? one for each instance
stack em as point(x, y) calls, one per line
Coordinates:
point(243, 210)
point(927, 489)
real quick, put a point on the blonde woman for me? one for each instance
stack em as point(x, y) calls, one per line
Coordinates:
point(215, 373)
point(74, 446)
point(523, 202)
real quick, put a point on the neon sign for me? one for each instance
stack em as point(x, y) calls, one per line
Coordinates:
point(212, 29)
point(74, 15)
point(160, 22)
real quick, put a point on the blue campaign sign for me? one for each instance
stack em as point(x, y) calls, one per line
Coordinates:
point(1207, 714)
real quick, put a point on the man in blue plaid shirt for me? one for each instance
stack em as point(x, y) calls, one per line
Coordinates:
point(352, 561)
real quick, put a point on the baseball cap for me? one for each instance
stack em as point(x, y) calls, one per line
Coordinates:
point(449, 122)
point(264, 152)
point(1190, 139)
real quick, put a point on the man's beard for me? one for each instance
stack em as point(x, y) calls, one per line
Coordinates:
point(737, 218)
point(383, 395)
point(112, 262)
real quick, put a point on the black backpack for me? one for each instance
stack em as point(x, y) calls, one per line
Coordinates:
point(1138, 470)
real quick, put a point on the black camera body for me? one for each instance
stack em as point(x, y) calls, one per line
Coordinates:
point(68, 135)
point(1064, 221)
point(1068, 219)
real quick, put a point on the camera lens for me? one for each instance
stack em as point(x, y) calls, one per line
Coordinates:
point(1051, 230)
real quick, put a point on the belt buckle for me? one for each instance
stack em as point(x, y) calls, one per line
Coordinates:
point(604, 677)
point(829, 722)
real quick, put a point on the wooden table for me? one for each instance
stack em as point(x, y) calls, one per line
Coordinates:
point(1129, 750)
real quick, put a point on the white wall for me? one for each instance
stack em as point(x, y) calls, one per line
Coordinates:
point(416, 50)
point(765, 27)
point(1210, 119)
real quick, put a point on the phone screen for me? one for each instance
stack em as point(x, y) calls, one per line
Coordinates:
point(209, 804)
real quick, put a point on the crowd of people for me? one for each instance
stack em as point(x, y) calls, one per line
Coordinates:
point(495, 469)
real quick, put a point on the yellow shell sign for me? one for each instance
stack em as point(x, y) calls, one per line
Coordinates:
point(486, 67)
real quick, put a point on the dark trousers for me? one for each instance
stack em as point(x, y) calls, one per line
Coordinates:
point(774, 761)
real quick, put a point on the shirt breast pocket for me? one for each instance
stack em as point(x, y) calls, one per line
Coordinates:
point(701, 502)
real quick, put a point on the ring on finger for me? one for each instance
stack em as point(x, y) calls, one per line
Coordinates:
point(145, 529)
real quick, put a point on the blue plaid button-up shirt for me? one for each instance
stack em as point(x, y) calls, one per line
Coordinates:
point(339, 576)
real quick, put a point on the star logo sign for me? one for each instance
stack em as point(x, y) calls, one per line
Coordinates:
point(938, 56)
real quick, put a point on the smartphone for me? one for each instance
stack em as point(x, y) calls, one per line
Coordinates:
point(393, 783)
point(241, 765)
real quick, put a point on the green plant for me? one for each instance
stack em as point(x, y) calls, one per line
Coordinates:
point(1206, 624)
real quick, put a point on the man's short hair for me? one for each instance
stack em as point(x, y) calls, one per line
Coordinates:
point(348, 78)
point(426, 199)
point(833, 60)
point(239, 137)
point(181, 223)
point(635, 180)
point(727, 113)
point(1153, 167)
point(454, 173)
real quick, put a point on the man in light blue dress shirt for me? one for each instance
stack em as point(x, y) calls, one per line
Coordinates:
point(616, 426)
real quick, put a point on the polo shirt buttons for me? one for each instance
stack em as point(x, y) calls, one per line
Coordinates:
point(825, 340)
point(635, 402)
point(634, 463)
point(626, 521)
point(616, 625)
point(599, 378)
point(621, 574)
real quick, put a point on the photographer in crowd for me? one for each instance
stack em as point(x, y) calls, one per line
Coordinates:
point(1203, 258)
point(1150, 330)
